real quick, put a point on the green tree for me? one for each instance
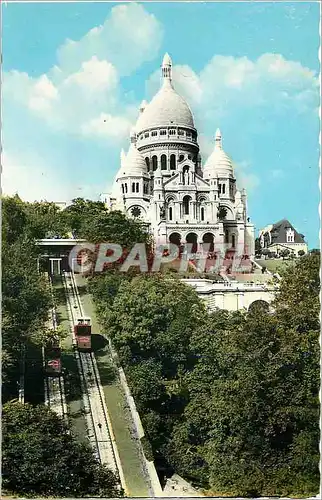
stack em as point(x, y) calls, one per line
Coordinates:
point(81, 213)
point(45, 220)
point(146, 384)
point(40, 457)
point(14, 219)
point(253, 396)
point(114, 227)
point(154, 317)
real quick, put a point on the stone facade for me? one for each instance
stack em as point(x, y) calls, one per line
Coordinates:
point(162, 180)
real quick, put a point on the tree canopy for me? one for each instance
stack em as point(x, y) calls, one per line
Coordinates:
point(40, 457)
point(229, 400)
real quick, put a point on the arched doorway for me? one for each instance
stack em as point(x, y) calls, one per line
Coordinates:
point(259, 306)
point(208, 239)
point(192, 239)
point(175, 239)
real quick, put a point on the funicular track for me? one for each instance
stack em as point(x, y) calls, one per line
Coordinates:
point(98, 424)
point(55, 397)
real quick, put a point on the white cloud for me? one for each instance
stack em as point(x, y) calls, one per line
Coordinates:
point(128, 37)
point(187, 83)
point(227, 84)
point(32, 179)
point(242, 93)
point(82, 97)
point(106, 125)
point(245, 178)
point(94, 75)
point(85, 83)
point(43, 95)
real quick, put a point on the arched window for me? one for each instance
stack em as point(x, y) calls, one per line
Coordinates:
point(233, 241)
point(137, 187)
point(163, 162)
point(147, 161)
point(202, 213)
point(185, 202)
point(170, 213)
point(126, 188)
point(122, 188)
point(172, 162)
point(223, 188)
point(133, 187)
point(154, 162)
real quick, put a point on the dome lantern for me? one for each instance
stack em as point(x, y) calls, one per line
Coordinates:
point(218, 139)
point(166, 68)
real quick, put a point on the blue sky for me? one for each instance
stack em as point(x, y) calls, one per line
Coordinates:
point(249, 68)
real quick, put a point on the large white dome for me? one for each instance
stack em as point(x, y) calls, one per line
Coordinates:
point(219, 164)
point(167, 107)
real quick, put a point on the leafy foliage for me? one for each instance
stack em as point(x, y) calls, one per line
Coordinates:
point(41, 457)
point(229, 400)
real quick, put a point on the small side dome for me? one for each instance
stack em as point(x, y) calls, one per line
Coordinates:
point(135, 163)
point(219, 164)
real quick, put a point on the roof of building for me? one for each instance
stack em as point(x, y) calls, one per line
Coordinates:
point(219, 163)
point(278, 232)
point(167, 108)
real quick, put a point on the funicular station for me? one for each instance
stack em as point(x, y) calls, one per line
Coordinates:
point(55, 252)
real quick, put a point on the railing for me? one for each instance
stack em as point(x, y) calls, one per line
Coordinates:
point(207, 285)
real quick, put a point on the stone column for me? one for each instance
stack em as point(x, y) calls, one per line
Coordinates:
point(220, 300)
point(240, 300)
